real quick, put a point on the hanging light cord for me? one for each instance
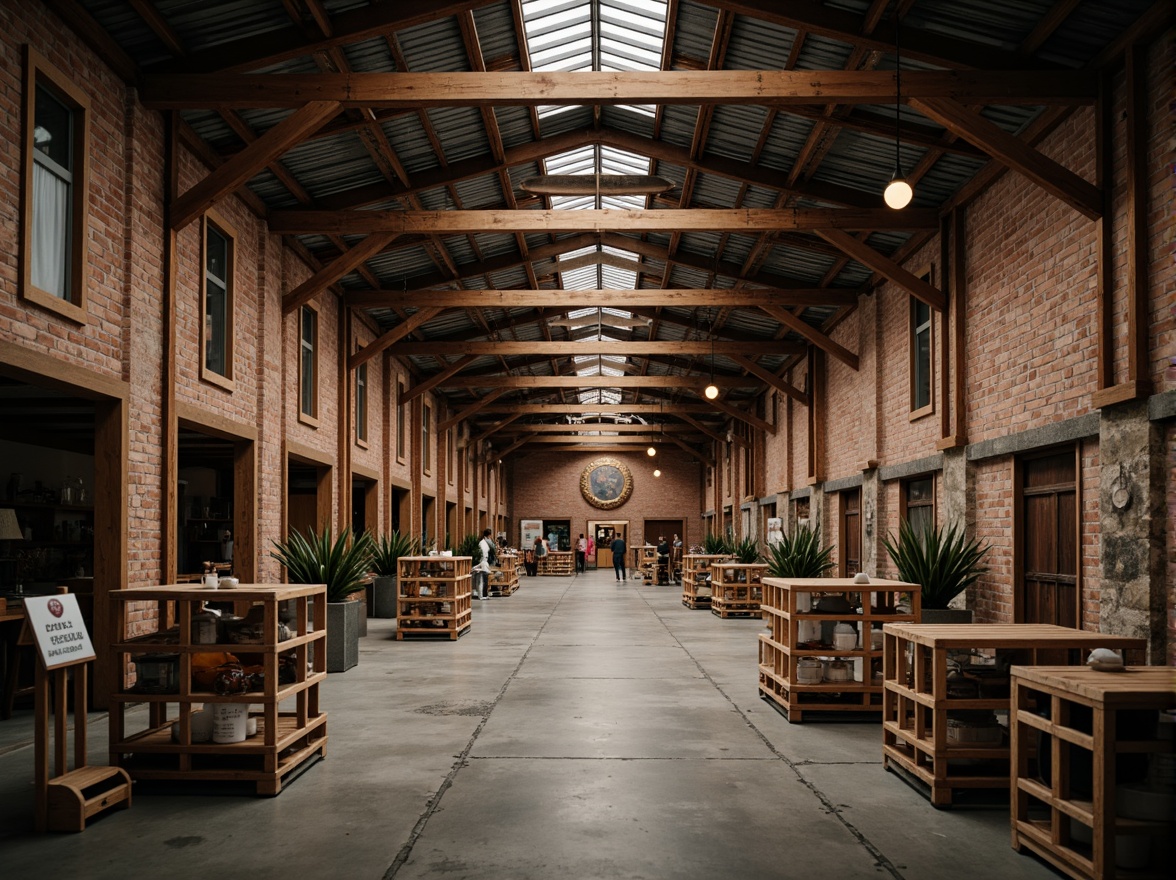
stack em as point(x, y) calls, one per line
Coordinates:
point(897, 94)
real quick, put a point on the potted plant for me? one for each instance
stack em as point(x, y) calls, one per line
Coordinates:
point(714, 545)
point(341, 565)
point(386, 550)
point(468, 547)
point(745, 550)
point(799, 555)
point(943, 561)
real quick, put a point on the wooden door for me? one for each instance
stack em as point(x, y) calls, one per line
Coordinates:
point(1049, 541)
point(603, 534)
point(851, 533)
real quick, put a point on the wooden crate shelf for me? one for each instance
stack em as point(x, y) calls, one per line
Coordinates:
point(434, 596)
point(791, 622)
point(1094, 718)
point(504, 578)
point(284, 740)
point(920, 713)
point(737, 589)
point(561, 563)
point(696, 589)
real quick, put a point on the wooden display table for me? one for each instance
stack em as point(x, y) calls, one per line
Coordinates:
point(1089, 724)
point(796, 631)
point(645, 561)
point(504, 579)
point(935, 736)
point(696, 591)
point(736, 590)
point(558, 562)
point(434, 596)
point(285, 739)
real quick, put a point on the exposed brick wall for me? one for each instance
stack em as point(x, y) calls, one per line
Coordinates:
point(1170, 539)
point(546, 485)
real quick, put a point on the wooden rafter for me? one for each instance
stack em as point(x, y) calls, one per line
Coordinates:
point(436, 379)
point(571, 299)
point(870, 258)
point(302, 222)
point(771, 378)
point(333, 271)
point(473, 408)
point(398, 332)
point(517, 89)
point(498, 381)
point(813, 335)
point(692, 347)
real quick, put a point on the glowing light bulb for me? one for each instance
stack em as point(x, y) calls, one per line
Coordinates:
point(711, 392)
point(898, 193)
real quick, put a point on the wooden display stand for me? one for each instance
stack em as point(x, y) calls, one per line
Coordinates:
point(434, 596)
point(736, 588)
point(1087, 714)
point(70, 798)
point(284, 740)
point(918, 711)
point(786, 606)
point(696, 592)
point(646, 559)
point(504, 579)
point(558, 562)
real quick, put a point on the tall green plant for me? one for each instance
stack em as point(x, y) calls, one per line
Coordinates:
point(942, 561)
point(714, 545)
point(341, 564)
point(799, 555)
point(387, 549)
point(468, 546)
point(746, 550)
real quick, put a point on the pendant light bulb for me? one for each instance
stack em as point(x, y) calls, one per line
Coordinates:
point(898, 193)
point(711, 391)
point(656, 472)
point(651, 451)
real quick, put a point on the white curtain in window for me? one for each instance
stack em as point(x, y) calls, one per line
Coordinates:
point(50, 232)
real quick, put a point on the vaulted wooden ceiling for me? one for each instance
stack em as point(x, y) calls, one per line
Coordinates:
point(389, 142)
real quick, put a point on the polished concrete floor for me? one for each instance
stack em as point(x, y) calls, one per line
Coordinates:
point(581, 729)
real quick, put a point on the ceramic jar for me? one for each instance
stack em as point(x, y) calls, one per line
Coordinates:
point(844, 637)
point(808, 670)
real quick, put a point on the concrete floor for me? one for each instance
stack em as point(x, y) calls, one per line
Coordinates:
point(581, 729)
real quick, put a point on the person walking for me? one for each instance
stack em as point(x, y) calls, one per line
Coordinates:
point(581, 554)
point(482, 569)
point(618, 551)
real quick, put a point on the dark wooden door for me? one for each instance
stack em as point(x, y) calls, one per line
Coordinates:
point(1049, 570)
point(851, 532)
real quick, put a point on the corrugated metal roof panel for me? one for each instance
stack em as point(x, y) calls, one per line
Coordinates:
point(678, 123)
point(329, 165)
point(370, 56)
point(797, 263)
point(713, 191)
point(460, 131)
point(514, 126)
point(568, 119)
point(128, 29)
point(480, 192)
point(735, 130)
point(626, 120)
point(496, 35)
point(695, 30)
point(759, 45)
point(410, 143)
point(434, 46)
point(785, 140)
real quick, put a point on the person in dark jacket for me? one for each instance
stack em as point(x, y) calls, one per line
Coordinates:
point(618, 551)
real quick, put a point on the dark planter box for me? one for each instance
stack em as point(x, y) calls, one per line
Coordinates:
point(342, 635)
point(384, 597)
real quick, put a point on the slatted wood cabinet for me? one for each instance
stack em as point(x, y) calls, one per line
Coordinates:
point(1097, 721)
point(434, 598)
point(696, 590)
point(736, 588)
point(928, 727)
point(285, 739)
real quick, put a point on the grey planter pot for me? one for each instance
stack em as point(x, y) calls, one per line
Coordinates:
point(342, 635)
point(384, 597)
point(946, 615)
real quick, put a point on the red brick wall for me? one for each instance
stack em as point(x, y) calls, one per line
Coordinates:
point(546, 485)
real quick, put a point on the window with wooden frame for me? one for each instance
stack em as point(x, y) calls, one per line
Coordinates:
point(55, 205)
point(216, 331)
point(401, 423)
point(449, 452)
point(361, 405)
point(922, 357)
point(850, 543)
point(426, 439)
point(308, 397)
point(917, 502)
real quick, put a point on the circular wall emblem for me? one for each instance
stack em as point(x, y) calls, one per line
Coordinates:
point(56, 608)
point(606, 483)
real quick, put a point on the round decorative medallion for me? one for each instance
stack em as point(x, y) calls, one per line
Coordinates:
point(606, 483)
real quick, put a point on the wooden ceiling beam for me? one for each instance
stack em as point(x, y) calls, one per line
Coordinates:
point(574, 299)
point(547, 348)
point(309, 222)
point(333, 271)
point(1054, 178)
point(396, 333)
point(519, 89)
point(435, 379)
point(813, 335)
point(256, 156)
point(886, 267)
point(480, 404)
point(499, 381)
point(606, 428)
point(741, 414)
point(771, 378)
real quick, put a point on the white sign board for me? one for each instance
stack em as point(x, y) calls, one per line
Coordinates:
point(58, 629)
point(530, 530)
